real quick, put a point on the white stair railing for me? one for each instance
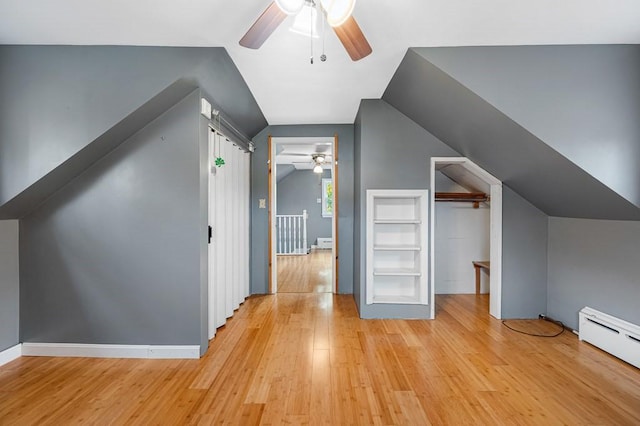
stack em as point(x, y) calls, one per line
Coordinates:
point(291, 230)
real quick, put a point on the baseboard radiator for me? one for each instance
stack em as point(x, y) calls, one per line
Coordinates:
point(620, 338)
point(325, 242)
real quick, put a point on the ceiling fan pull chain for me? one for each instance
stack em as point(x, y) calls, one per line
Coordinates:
point(311, 32)
point(323, 57)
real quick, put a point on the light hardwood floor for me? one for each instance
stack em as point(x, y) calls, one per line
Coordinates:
point(305, 274)
point(308, 358)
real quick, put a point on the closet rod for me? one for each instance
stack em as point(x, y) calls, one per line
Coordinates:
point(473, 197)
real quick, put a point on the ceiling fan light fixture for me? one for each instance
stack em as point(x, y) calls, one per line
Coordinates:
point(338, 11)
point(290, 7)
point(318, 158)
point(305, 22)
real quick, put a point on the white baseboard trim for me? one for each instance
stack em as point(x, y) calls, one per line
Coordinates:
point(111, 351)
point(10, 354)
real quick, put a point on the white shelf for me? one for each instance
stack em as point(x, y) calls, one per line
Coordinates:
point(396, 247)
point(399, 272)
point(397, 222)
point(406, 300)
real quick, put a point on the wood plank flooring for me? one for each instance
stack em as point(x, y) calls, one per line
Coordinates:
point(309, 359)
point(305, 274)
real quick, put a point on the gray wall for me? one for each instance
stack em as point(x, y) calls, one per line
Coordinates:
point(299, 191)
point(284, 170)
point(524, 257)
point(583, 101)
point(116, 255)
point(478, 130)
point(80, 285)
point(558, 125)
point(9, 284)
point(79, 93)
point(260, 189)
point(593, 263)
point(392, 152)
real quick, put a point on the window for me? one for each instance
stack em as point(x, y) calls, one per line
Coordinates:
point(327, 197)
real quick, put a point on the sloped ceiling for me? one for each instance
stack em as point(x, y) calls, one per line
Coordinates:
point(284, 170)
point(475, 128)
point(44, 187)
point(582, 101)
point(64, 107)
point(464, 178)
point(291, 91)
point(288, 89)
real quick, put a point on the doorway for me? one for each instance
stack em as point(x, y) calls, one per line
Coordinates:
point(460, 172)
point(302, 211)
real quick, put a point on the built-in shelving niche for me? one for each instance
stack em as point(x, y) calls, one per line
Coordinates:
point(397, 226)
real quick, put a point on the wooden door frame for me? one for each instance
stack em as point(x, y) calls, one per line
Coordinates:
point(271, 209)
point(270, 201)
point(334, 224)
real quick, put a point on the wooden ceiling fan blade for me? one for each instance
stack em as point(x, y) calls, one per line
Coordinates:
point(353, 39)
point(264, 26)
point(302, 154)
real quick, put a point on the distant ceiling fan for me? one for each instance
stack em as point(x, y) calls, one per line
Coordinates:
point(318, 161)
point(338, 14)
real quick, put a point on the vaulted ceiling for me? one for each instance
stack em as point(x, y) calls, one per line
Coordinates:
point(287, 87)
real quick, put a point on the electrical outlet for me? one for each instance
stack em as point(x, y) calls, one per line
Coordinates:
point(319, 200)
point(262, 203)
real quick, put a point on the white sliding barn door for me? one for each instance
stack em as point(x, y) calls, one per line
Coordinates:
point(229, 218)
point(218, 240)
point(246, 222)
point(226, 149)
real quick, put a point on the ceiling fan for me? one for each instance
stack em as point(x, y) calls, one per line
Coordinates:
point(338, 14)
point(319, 161)
point(304, 158)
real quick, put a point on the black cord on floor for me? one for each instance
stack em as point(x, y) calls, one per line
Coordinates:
point(504, 322)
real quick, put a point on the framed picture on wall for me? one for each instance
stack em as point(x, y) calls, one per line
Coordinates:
point(327, 197)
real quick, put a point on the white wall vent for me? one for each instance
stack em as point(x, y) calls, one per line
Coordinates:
point(619, 338)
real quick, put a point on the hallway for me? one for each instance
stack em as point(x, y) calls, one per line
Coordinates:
point(305, 274)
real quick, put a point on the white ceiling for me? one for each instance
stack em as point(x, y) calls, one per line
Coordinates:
point(288, 89)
